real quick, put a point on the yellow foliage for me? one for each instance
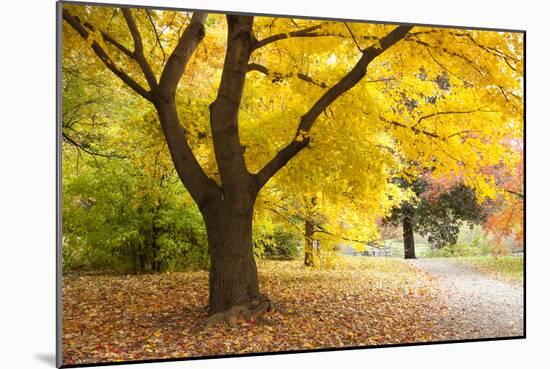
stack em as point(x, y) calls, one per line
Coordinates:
point(444, 99)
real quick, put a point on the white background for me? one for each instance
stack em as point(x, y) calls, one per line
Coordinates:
point(27, 182)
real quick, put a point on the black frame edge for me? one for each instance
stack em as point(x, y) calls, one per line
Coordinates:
point(58, 188)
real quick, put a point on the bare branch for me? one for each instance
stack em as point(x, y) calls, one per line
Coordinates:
point(490, 49)
point(304, 77)
point(433, 134)
point(285, 218)
point(461, 133)
point(468, 61)
point(157, 35)
point(445, 68)
point(278, 75)
point(520, 195)
point(452, 112)
point(306, 32)
point(353, 37)
point(364, 242)
point(82, 147)
point(319, 229)
point(412, 128)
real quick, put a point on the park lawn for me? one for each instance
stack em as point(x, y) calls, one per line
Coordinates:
point(509, 268)
point(365, 301)
point(421, 248)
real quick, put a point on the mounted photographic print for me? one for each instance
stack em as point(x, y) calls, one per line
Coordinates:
point(239, 184)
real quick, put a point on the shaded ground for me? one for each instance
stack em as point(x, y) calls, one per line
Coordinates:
point(480, 306)
point(372, 301)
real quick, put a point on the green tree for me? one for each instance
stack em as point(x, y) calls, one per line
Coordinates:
point(436, 213)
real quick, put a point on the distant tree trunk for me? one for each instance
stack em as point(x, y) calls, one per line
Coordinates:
point(408, 233)
point(155, 262)
point(142, 259)
point(453, 239)
point(308, 246)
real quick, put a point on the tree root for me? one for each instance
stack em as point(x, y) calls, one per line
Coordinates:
point(251, 313)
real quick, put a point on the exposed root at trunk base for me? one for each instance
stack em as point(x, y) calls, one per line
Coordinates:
point(251, 313)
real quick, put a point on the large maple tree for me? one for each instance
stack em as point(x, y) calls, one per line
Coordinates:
point(243, 99)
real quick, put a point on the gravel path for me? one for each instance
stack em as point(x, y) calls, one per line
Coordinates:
point(479, 306)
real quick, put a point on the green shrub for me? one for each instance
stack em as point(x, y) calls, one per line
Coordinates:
point(116, 217)
point(460, 249)
point(274, 241)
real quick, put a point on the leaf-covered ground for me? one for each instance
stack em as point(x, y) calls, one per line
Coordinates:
point(134, 317)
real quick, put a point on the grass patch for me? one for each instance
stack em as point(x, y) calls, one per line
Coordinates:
point(509, 268)
point(422, 249)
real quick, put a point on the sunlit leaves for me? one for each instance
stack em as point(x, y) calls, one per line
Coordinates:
point(447, 100)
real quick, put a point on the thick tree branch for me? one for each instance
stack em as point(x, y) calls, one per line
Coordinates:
point(224, 110)
point(177, 61)
point(301, 137)
point(202, 189)
point(140, 59)
point(138, 49)
point(107, 37)
point(278, 75)
point(412, 128)
point(306, 32)
point(200, 186)
point(76, 24)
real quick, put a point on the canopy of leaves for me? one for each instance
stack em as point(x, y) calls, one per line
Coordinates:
point(443, 99)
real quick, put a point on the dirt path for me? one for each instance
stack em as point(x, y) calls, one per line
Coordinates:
point(479, 306)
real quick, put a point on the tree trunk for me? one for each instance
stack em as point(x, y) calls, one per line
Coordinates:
point(453, 239)
point(228, 216)
point(155, 262)
point(408, 233)
point(308, 247)
point(233, 273)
